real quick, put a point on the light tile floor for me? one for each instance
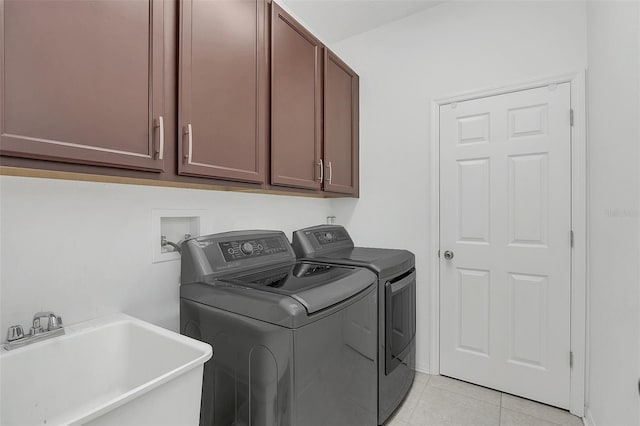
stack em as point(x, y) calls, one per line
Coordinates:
point(441, 401)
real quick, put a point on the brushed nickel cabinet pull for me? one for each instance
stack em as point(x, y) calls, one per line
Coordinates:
point(189, 132)
point(160, 126)
point(321, 164)
point(330, 173)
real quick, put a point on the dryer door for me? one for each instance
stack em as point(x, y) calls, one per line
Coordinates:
point(400, 314)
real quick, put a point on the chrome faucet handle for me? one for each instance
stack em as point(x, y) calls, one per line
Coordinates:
point(55, 322)
point(15, 332)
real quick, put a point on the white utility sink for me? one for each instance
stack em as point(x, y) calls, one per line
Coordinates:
point(115, 370)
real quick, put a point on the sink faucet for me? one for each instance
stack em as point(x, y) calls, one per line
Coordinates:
point(17, 338)
point(54, 322)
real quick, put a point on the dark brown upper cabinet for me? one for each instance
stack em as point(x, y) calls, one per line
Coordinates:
point(223, 89)
point(82, 82)
point(341, 123)
point(296, 104)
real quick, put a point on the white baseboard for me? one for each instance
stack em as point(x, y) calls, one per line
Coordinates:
point(588, 418)
point(421, 368)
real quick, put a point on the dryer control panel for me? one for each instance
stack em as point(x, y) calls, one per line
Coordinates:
point(320, 239)
point(331, 236)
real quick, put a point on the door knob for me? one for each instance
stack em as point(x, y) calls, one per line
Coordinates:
point(448, 254)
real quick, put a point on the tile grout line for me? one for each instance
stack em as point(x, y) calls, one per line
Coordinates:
point(429, 384)
point(500, 404)
point(469, 396)
point(410, 415)
point(532, 416)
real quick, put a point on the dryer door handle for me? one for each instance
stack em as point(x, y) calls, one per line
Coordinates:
point(398, 286)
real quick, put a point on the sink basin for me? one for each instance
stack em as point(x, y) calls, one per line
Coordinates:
point(115, 370)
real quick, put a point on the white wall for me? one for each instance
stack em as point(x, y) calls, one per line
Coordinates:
point(84, 249)
point(452, 48)
point(614, 151)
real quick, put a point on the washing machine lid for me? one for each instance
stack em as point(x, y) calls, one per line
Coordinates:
point(332, 244)
point(314, 285)
point(386, 263)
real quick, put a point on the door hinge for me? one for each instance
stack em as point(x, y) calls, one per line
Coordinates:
point(571, 237)
point(570, 359)
point(571, 117)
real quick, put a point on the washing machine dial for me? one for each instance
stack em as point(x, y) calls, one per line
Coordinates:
point(247, 248)
point(328, 236)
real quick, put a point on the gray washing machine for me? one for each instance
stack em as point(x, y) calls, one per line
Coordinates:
point(294, 342)
point(395, 270)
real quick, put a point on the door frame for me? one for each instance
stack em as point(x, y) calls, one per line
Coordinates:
point(579, 187)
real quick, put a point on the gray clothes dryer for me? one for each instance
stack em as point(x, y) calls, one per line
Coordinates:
point(395, 269)
point(294, 343)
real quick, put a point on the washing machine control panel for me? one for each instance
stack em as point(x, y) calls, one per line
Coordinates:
point(330, 236)
point(251, 248)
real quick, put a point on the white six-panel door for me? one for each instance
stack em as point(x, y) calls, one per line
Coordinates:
point(505, 215)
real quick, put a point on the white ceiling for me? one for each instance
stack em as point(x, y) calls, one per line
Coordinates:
point(334, 20)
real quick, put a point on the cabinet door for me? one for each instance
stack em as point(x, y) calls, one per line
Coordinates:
point(340, 126)
point(223, 89)
point(296, 103)
point(82, 81)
